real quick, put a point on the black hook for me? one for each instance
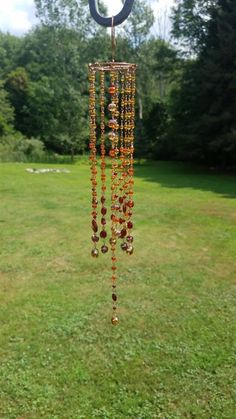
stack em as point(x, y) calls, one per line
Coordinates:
point(109, 21)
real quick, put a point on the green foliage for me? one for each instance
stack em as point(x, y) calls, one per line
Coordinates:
point(15, 147)
point(16, 84)
point(72, 14)
point(204, 108)
point(10, 46)
point(190, 20)
point(6, 112)
point(138, 25)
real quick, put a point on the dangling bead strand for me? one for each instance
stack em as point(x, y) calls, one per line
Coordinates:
point(122, 165)
point(113, 154)
point(131, 167)
point(93, 161)
point(130, 171)
point(103, 233)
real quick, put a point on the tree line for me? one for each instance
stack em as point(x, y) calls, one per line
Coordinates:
point(186, 87)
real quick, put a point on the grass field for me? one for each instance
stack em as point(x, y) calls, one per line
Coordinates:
point(173, 354)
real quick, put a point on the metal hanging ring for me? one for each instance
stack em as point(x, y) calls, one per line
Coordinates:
point(107, 21)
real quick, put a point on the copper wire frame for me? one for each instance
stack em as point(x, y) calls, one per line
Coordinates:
point(112, 66)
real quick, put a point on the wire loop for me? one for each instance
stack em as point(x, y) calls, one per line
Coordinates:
point(107, 21)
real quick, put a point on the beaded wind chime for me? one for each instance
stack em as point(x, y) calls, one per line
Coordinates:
point(111, 118)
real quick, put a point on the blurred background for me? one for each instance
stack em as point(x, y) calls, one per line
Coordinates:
point(185, 86)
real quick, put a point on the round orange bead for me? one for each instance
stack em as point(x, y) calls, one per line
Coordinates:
point(112, 89)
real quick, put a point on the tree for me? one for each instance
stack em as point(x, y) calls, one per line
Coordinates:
point(190, 19)
point(205, 105)
point(16, 84)
point(10, 46)
point(73, 14)
point(138, 25)
point(6, 113)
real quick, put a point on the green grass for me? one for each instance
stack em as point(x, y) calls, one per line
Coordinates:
point(173, 353)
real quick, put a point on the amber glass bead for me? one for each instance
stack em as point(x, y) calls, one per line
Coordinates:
point(103, 199)
point(95, 238)
point(103, 221)
point(113, 259)
point(94, 214)
point(121, 200)
point(114, 268)
point(124, 246)
point(112, 240)
point(116, 207)
point(130, 204)
point(113, 279)
point(112, 153)
point(112, 135)
point(113, 124)
point(130, 250)
point(123, 233)
point(104, 188)
point(112, 107)
point(94, 226)
point(94, 201)
point(114, 320)
point(129, 224)
point(114, 297)
point(103, 234)
point(94, 253)
point(130, 239)
point(103, 211)
point(104, 248)
point(112, 89)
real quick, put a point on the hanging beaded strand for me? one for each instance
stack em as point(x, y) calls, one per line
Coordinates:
point(103, 233)
point(113, 124)
point(125, 174)
point(122, 168)
point(93, 159)
point(130, 151)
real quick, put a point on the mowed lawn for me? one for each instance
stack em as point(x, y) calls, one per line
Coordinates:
point(173, 354)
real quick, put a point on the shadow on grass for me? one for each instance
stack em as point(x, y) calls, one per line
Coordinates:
point(184, 175)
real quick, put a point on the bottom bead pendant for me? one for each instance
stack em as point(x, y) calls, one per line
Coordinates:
point(114, 320)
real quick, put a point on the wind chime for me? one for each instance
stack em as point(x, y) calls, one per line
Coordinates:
point(111, 118)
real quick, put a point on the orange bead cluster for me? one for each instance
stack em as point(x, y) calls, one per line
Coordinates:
point(113, 127)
